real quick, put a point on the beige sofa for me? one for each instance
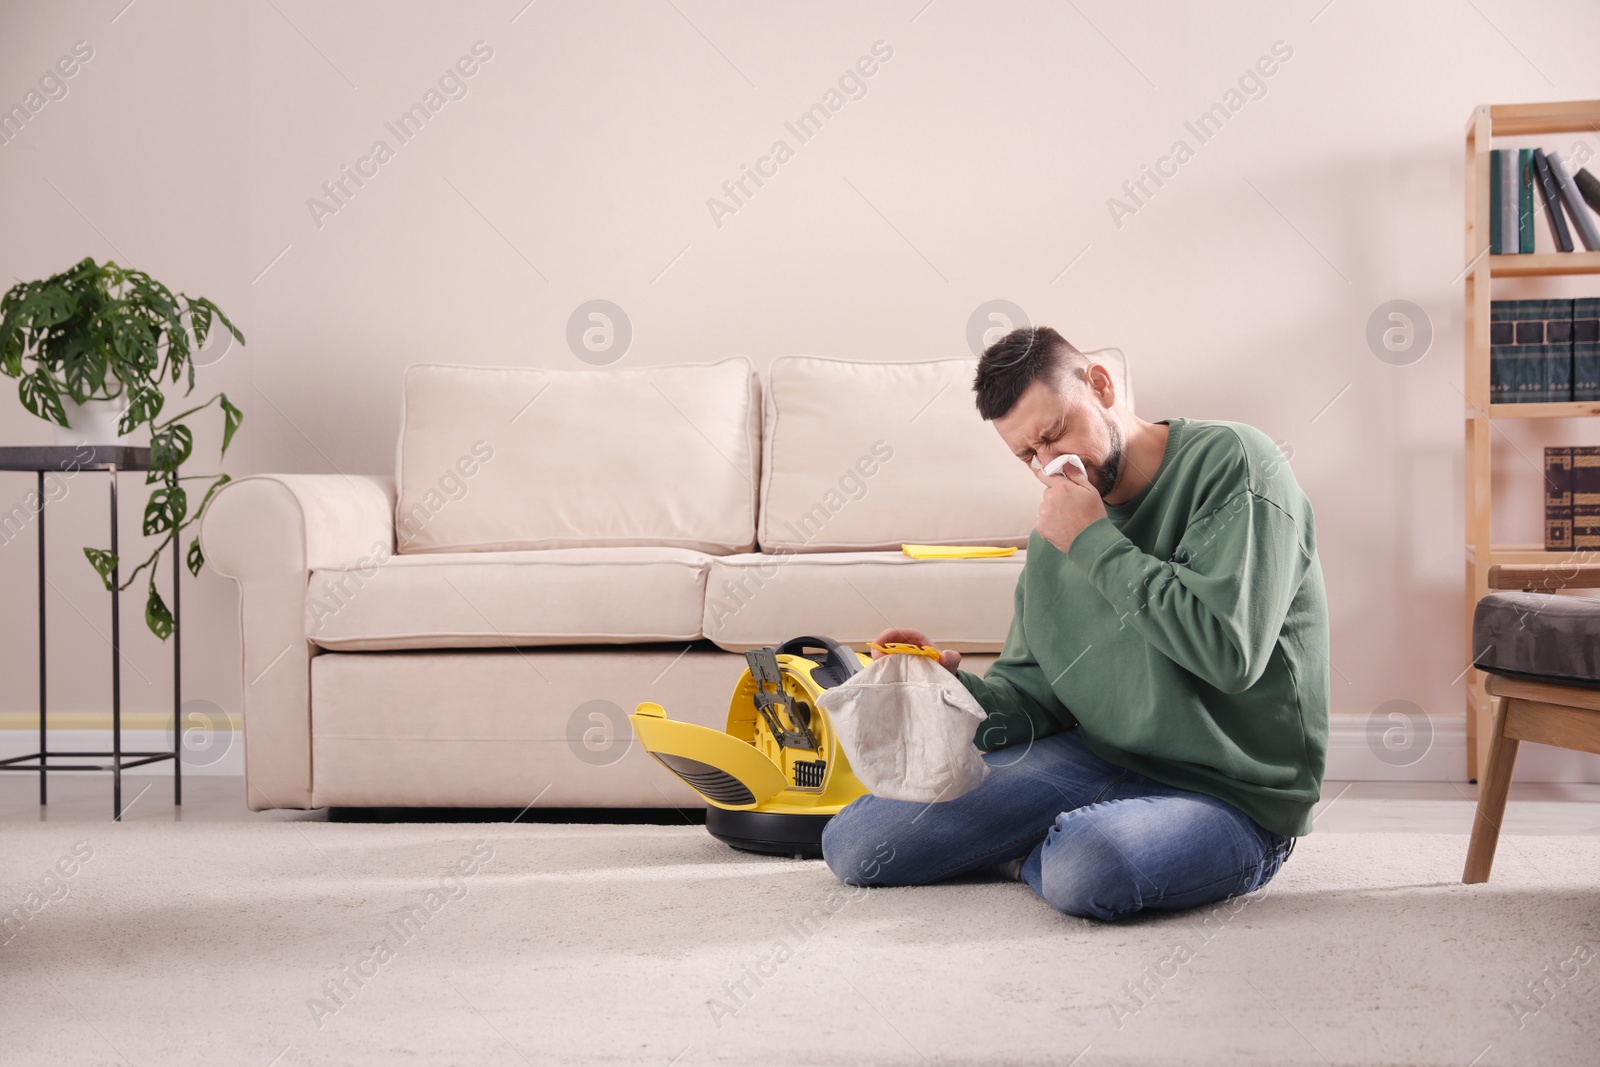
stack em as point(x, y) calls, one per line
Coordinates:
point(556, 546)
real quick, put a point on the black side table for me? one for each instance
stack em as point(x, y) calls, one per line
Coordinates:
point(110, 458)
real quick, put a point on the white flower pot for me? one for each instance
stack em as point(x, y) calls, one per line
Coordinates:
point(93, 422)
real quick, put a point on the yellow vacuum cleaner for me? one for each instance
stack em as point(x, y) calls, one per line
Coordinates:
point(776, 775)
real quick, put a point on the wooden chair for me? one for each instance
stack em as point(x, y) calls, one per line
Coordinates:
point(1532, 701)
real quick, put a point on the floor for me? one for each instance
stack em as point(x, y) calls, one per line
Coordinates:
point(1346, 807)
point(266, 942)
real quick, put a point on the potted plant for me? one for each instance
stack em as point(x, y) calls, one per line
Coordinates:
point(101, 335)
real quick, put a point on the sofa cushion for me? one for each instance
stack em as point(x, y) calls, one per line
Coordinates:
point(480, 600)
point(757, 598)
point(1542, 637)
point(510, 458)
point(875, 455)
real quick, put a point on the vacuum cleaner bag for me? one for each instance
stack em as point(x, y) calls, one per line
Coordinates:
point(906, 724)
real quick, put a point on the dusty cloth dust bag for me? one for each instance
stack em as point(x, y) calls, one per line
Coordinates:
point(906, 724)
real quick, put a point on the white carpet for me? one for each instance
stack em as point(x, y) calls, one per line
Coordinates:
point(614, 944)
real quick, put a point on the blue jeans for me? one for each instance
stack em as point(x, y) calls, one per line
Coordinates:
point(1097, 840)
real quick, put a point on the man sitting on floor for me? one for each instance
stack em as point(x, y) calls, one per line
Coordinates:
point(1158, 718)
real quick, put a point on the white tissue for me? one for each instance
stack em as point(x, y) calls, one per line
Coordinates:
point(1055, 465)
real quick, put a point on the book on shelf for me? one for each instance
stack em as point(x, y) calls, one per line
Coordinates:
point(1586, 497)
point(1525, 207)
point(1508, 201)
point(1497, 245)
point(1572, 200)
point(1551, 196)
point(1557, 498)
point(1558, 350)
point(1530, 351)
point(1502, 335)
point(1589, 186)
point(1586, 348)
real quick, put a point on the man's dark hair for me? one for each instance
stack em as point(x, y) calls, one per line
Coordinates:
point(1020, 358)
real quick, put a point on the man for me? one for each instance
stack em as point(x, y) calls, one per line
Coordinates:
point(1158, 718)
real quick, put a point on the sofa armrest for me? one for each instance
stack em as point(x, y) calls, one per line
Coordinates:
point(267, 532)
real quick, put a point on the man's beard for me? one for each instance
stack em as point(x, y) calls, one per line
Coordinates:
point(1105, 474)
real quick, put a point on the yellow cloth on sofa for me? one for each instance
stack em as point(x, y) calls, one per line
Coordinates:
point(955, 551)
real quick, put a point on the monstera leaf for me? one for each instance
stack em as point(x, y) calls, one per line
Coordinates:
point(100, 331)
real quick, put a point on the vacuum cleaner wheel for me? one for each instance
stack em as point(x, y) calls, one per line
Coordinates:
point(776, 833)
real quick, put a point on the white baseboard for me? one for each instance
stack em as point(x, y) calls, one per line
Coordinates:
point(1353, 757)
point(226, 758)
point(1350, 756)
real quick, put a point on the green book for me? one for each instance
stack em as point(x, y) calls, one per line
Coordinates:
point(1586, 348)
point(1557, 349)
point(1494, 202)
point(1525, 208)
point(1502, 337)
point(1535, 344)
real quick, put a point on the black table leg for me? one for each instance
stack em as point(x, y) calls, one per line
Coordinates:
point(44, 749)
point(116, 666)
point(177, 675)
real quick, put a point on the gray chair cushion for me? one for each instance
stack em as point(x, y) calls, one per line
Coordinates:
point(1545, 637)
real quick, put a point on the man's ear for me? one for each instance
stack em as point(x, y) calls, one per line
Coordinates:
point(1101, 384)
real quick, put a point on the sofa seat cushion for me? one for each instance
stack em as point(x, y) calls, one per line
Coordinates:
point(497, 599)
point(1542, 637)
point(757, 598)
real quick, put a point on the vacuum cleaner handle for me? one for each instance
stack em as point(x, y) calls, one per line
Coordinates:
point(838, 662)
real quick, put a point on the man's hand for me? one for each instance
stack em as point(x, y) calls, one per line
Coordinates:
point(1070, 504)
point(949, 658)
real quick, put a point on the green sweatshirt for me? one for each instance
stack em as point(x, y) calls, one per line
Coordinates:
point(1185, 634)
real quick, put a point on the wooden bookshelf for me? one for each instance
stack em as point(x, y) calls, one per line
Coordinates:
point(1487, 122)
point(1529, 555)
point(1538, 264)
point(1561, 409)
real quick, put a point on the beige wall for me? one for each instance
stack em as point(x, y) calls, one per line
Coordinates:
point(977, 165)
